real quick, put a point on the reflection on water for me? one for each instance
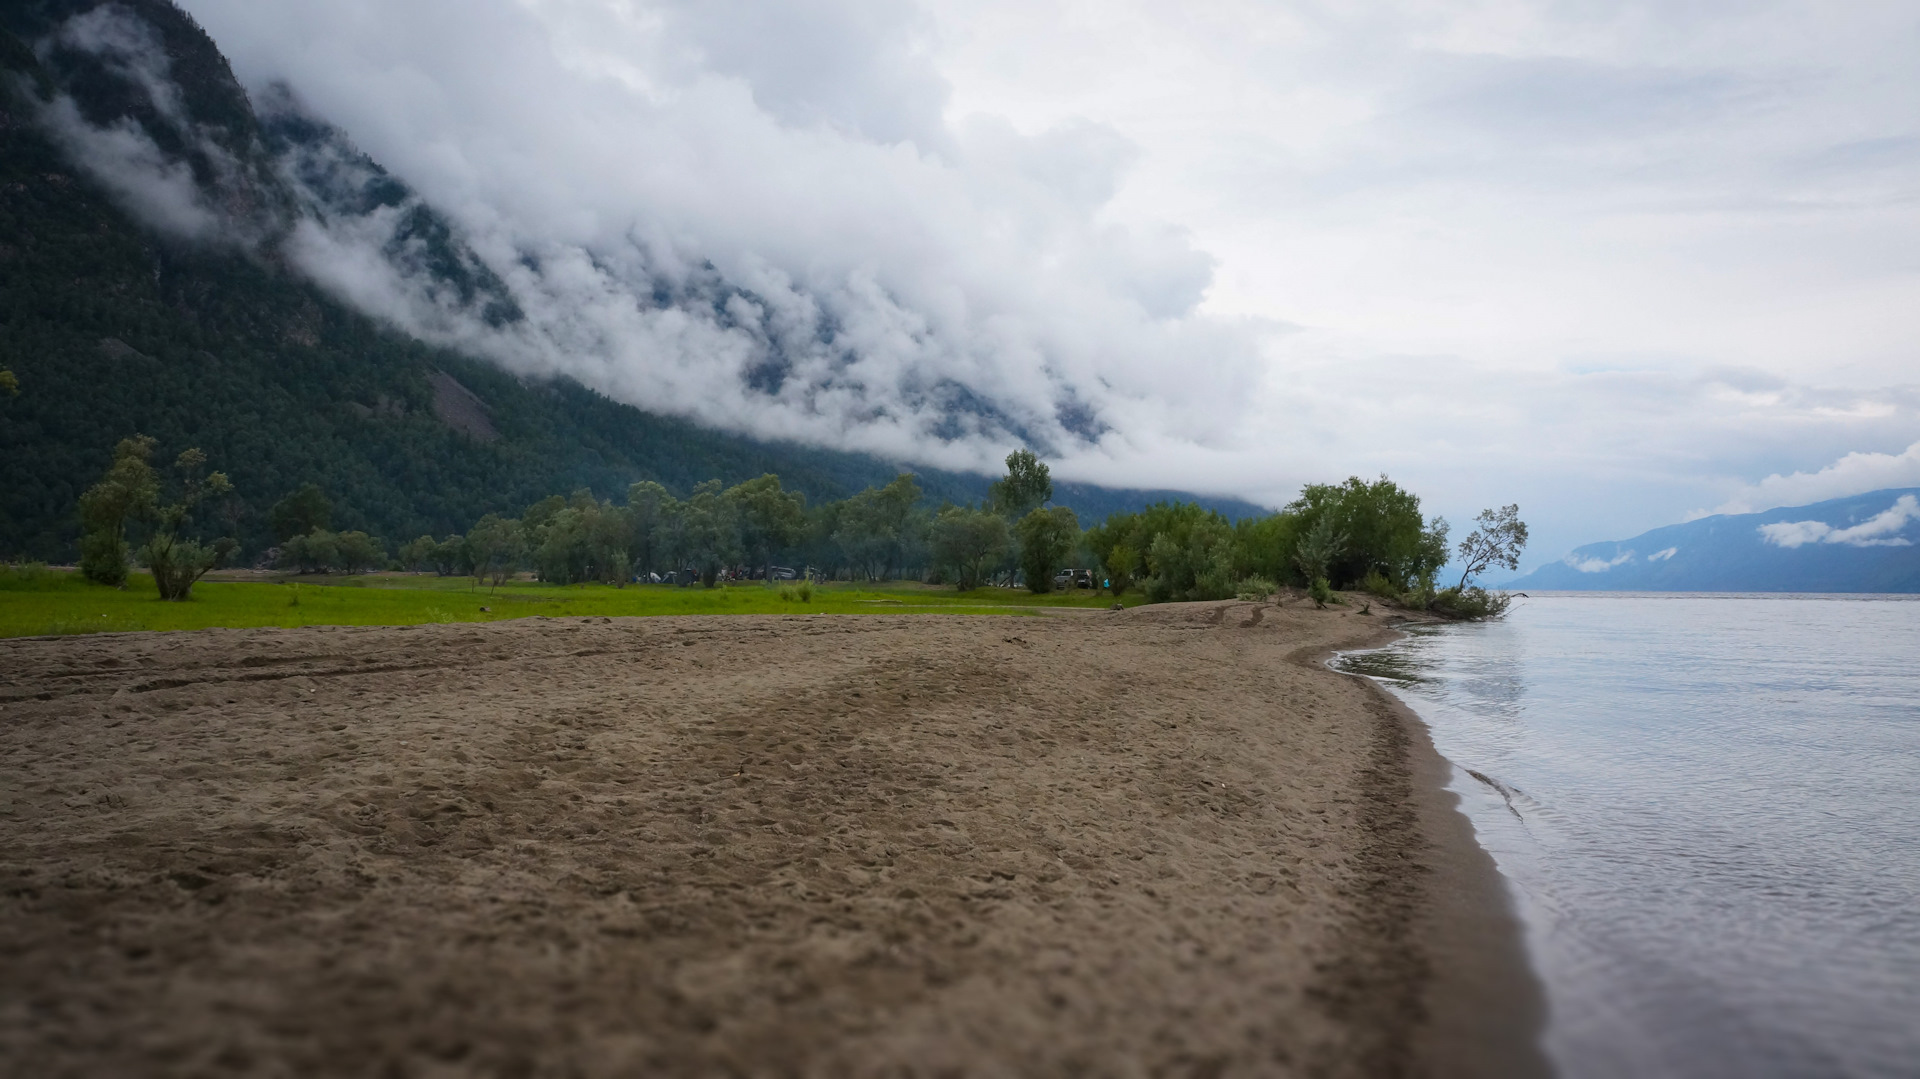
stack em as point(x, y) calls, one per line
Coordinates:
point(1709, 808)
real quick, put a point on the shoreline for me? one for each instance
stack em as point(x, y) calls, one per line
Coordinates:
point(1164, 838)
point(1470, 927)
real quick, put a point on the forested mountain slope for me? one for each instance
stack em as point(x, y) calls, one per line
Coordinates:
point(1862, 543)
point(115, 328)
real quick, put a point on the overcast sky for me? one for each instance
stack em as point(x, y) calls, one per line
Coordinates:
point(1621, 263)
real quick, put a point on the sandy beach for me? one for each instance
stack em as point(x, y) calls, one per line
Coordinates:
point(1161, 842)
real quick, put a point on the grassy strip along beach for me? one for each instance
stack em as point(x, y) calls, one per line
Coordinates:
point(53, 602)
point(1163, 841)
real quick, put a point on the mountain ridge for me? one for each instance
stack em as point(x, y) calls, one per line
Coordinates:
point(1860, 543)
point(212, 339)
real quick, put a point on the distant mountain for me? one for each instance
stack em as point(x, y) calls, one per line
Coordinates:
point(1864, 543)
point(145, 207)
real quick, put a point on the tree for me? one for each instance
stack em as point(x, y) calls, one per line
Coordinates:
point(495, 545)
point(417, 554)
point(1383, 531)
point(176, 560)
point(9, 383)
point(305, 510)
point(355, 552)
point(609, 541)
point(1028, 486)
point(1191, 558)
point(651, 515)
point(584, 540)
point(313, 552)
point(450, 557)
point(1498, 541)
point(969, 542)
point(1047, 539)
point(1118, 545)
point(876, 528)
point(770, 518)
point(712, 531)
point(126, 492)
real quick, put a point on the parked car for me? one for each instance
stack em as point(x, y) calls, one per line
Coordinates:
point(1074, 578)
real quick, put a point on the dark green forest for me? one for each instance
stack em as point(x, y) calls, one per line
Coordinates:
point(112, 331)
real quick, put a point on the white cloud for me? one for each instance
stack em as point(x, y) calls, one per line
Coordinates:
point(1795, 533)
point(1856, 473)
point(1228, 248)
point(1599, 565)
point(1877, 531)
point(154, 187)
point(1663, 555)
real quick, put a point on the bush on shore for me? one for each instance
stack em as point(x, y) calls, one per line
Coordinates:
point(1470, 604)
point(1255, 588)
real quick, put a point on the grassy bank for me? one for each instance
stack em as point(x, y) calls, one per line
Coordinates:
point(36, 602)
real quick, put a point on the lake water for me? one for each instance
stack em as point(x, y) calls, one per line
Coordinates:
point(1708, 808)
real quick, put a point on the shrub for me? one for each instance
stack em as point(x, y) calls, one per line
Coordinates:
point(801, 593)
point(1201, 567)
point(1376, 583)
point(103, 558)
point(28, 577)
point(1470, 604)
point(1255, 588)
point(176, 563)
point(1320, 591)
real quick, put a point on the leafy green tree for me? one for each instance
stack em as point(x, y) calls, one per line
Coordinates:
point(969, 542)
point(584, 540)
point(418, 554)
point(9, 383)
point(1191, 558)
point(877, 529)
point(712, 531)
point(1264, 546)
point(609, 543)
point(175, 559)
point(541, 513)
point(305, 510)
point(1027, 486)
point(495, 545)
point(313, 552)
point(1047, 539)
point(558, 545)
point(127, 492)
point(1118, 546)
point(1498, 541)
point(770, 519)
point(356, 552)
point(1384, 532)
point(450, 557)
point(652, 516)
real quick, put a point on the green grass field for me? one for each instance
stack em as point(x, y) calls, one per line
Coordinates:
point(36, 601)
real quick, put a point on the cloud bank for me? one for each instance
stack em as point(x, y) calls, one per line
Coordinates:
point(774, 232)
point(1856, 473)
point(1880, 530)
point(1599, 565)
point(1610, 263)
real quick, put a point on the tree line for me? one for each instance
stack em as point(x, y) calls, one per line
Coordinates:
point(1360, 535)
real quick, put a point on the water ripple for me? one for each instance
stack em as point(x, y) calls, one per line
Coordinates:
point(1709, 811)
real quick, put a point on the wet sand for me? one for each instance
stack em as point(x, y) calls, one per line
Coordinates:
point(1167, 841)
